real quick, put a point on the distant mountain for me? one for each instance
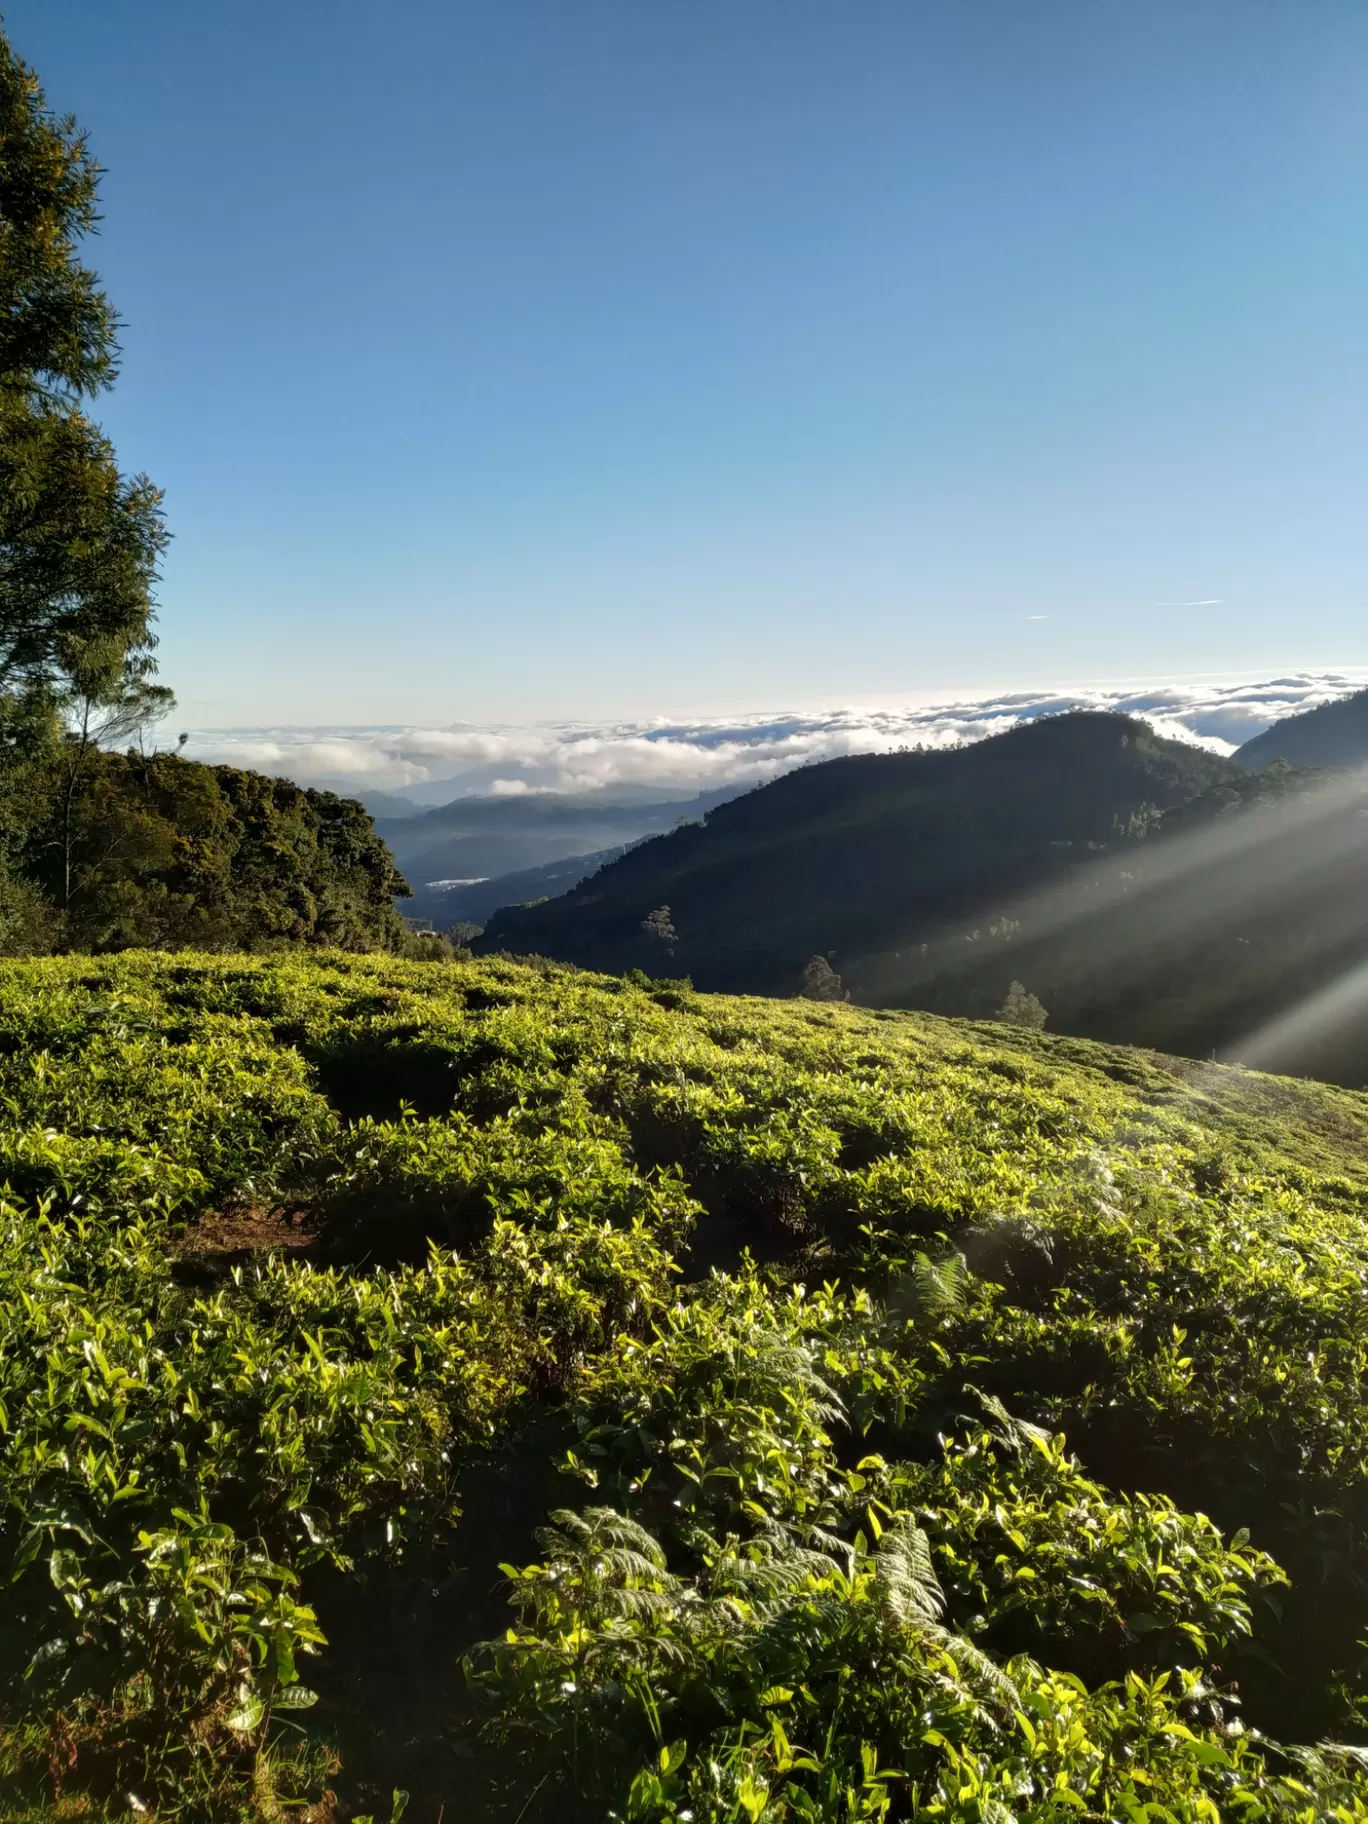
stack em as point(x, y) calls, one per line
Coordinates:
point(445, 903)
point(382, 804)
point(475, 838)
point(1144, 890)
point(1335, 734)
point(850, 855)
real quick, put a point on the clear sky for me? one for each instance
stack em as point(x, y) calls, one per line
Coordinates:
point(586, 357)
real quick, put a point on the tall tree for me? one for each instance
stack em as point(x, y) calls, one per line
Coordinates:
point(820, 982)
point(106, 715)
point(1022, 1008)
point(659, 927)
point(79, 542)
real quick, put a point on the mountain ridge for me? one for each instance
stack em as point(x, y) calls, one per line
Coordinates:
point(494, 836)
point(1332, 734)
point(994, 816)
point(1145, 891)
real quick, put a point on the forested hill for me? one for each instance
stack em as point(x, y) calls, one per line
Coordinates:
point(1335, 734)
point(854, 854)
point(105, 851)
point(1143, 891)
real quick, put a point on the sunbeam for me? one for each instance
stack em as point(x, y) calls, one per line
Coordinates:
point(1241, 938)
point(1315, 1022)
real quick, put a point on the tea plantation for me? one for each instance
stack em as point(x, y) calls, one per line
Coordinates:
point(490, 1391)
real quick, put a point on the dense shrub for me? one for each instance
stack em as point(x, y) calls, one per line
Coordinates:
point(326, 1283)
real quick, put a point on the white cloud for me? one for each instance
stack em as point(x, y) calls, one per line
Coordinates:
point(677, 758)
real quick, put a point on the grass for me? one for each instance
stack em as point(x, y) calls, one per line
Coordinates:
point(547, 1395)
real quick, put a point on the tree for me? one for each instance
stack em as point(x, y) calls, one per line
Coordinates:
point(659, 927)
point(97, 719)
point(1022, 1009)
point(79, 542)
point(820, 982)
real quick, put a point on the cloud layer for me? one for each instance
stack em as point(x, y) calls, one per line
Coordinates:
point(678, 758)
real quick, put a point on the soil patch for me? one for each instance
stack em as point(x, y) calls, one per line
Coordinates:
point(221, 1239)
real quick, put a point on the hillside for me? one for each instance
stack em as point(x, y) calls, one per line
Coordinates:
point(862, 855)
point(106, 851)
point(1144, 891)
point(813, 1412)
point(1335, 734)
point(1229, 926)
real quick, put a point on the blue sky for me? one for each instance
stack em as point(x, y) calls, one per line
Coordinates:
point(592, 357)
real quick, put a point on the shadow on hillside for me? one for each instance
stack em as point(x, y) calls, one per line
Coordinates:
point(393, 1694)
point(364, 1074)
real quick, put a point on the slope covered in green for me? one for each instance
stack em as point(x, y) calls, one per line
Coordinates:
point(863, 854)
point(113, 851)
point(1144, 891)
point(1332, 734)
point(873, 1416)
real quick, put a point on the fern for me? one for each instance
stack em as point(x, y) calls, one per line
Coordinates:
point(604, 1533)
point(910, 1595)
point(934, 1288)
point(600, 1564)
point(912, 1601)
point(1016, 1433)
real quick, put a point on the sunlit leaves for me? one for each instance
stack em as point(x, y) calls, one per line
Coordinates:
point(855, 1536)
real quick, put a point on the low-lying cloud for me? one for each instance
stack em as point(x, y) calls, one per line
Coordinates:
point(677, 758)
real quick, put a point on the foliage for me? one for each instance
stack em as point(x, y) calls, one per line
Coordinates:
point(1022, 1009)
point(1031, 1448)
point(820, 982)
point(135, 851)
point(101, 850)
point(659, 926)
point(79, 542)
point(428, 947)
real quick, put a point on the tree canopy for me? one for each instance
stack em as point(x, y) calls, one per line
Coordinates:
point(101, 850)
point(1021, 1008)
point(133, 851)
point(79, 541)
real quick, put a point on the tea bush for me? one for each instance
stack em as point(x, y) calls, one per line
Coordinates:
point(918, 1419)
